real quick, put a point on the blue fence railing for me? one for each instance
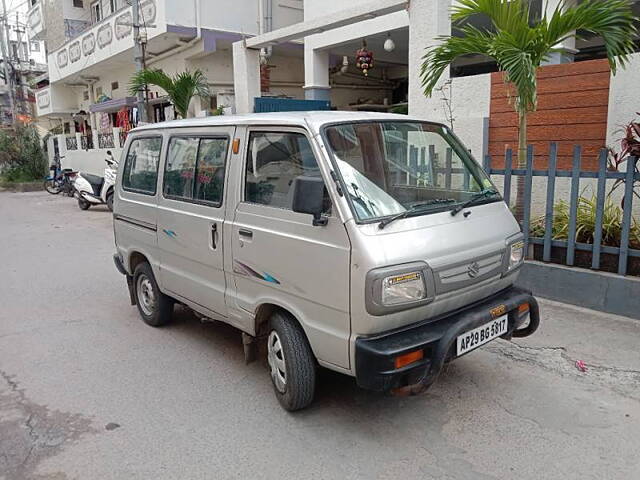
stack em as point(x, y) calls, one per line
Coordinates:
point(624, 251)
point(272, 104)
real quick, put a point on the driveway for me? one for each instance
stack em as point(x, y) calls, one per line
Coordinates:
point(87, 391)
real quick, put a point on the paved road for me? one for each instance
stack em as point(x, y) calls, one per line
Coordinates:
point(87, 391)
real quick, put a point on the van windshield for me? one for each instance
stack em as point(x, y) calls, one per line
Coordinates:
point(391, 167)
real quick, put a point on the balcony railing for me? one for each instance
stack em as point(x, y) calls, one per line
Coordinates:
point(110, 36)
point(72, 143)
point(105, 140)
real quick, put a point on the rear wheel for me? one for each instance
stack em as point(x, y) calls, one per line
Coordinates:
point(291, 361)
point(154, 306)
point(52, 186)
point(83, 204)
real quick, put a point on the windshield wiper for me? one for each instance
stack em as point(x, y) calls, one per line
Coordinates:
point(412, 209)
point(474, 199)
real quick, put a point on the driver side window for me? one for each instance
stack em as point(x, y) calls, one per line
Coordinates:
point(274, 161)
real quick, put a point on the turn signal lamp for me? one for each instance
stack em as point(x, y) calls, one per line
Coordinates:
point(408, 358)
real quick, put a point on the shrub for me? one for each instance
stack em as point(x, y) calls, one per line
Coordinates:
point(585, 223)
point(21, 156)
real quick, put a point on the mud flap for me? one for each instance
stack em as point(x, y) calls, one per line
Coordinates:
point(132, 293)
point(250, 346)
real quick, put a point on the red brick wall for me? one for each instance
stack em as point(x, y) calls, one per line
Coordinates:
point(572, 109)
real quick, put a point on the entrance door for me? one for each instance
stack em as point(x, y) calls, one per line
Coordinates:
point(279, 257)
point(191, 218)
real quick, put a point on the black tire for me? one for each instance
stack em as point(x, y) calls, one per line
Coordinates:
point(300, 364)
point(52, 187)
point(83, 204)
point(159, 312)
point(110, 201)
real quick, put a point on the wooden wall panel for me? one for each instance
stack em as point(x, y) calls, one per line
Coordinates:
point(572, 109)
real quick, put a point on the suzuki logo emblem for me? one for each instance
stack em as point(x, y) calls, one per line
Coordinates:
point(473, 270)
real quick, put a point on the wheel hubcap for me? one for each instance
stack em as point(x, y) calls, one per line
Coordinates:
point(275, 356)
point(146, 295)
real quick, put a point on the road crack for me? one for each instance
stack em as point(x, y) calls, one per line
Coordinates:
point(30, 431)
point(557, 360)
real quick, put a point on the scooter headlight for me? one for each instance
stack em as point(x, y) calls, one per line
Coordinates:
point(407, 287)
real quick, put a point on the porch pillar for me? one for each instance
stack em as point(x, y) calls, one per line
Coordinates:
point(316, 73)
point(246, 76)
point(568, 46)
point(427, 20)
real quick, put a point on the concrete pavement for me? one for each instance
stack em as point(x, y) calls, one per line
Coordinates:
point(87, 391)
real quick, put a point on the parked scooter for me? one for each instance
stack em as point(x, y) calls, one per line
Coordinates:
point(95, 190)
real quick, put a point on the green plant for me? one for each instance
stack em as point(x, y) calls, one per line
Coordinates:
point(21, 156)
point(586, 221)
point(520, 44)
point(629, 151)
point(180, 88)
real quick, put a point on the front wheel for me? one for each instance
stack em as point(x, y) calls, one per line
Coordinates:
point(52, 186)
point(83, 204)
point(291, 361)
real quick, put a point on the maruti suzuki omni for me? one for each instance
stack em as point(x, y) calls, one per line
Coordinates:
point(369, 244)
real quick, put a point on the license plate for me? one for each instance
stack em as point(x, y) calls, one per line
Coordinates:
point(479, 336)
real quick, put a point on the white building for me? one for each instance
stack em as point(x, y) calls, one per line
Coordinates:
point(90, 52)
point(305, 49)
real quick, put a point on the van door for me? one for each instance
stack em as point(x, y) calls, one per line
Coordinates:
point(279, 257)
point(135, 214)
point(191, 218)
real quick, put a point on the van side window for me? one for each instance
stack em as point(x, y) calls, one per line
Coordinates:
point(180, 168)
point(140, 172)
point(210, 172)
point(194, 170)
point(274, 161)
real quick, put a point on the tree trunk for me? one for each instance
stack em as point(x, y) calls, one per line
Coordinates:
point(522, 163)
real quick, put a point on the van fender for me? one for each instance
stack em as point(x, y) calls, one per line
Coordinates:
point(262, 310)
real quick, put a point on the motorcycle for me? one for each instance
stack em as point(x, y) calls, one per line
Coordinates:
point(60, 180)
point(95, 190)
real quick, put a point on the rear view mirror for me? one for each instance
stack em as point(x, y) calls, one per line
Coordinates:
point(308, 197)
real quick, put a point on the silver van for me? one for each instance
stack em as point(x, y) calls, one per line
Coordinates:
point(369, 244)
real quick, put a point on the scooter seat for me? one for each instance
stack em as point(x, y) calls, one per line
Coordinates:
point(94, 180)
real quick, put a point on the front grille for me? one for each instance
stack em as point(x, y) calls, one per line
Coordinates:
point(467, 273)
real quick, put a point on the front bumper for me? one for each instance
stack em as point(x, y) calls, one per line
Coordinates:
point(375, 355)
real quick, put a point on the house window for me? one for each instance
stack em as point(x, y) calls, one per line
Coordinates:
point(78, 4)
point(115, 85)
point(85, 95)
point(98, 92)
point(96, 12)
point(35, 46)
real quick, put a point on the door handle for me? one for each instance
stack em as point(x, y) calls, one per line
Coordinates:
point(248, 234)
point(214, 234)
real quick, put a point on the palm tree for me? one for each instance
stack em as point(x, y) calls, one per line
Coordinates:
point(180, 88)
point(519, 46)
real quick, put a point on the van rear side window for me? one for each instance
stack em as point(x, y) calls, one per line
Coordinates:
point(140, 173)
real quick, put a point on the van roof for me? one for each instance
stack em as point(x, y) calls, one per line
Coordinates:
point(313, 118)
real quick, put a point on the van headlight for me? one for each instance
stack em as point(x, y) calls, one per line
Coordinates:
point(399, 287)
point(407, 287)
point(516, 254)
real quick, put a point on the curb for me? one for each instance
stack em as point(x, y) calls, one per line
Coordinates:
point(21, 187)
point(606, 292)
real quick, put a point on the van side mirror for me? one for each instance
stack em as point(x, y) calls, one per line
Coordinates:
point(308, 197)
